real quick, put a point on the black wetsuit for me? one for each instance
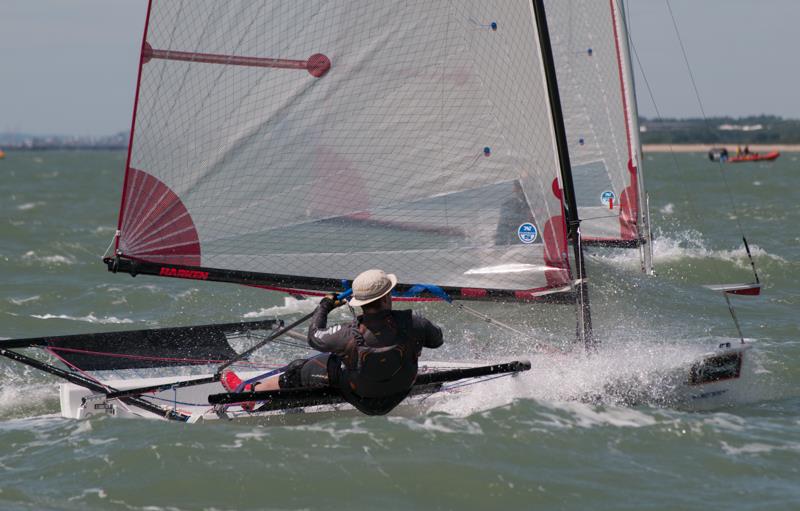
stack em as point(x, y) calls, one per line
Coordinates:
point(372, 361)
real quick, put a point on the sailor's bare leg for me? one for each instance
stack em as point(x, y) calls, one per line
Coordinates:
point(270, 383)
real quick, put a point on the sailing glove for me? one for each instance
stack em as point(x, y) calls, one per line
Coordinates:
point(330, 302)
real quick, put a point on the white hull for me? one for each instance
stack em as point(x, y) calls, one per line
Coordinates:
point(724, 382)
point(80, 403)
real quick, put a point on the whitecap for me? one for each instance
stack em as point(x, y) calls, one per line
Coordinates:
point(752, 448)
point(90, 318)
point(98, 492)
point(22, 301)
point(687, 245)
point(587, 416)
point(29, 205)
point(52, 259)
point(290, 306)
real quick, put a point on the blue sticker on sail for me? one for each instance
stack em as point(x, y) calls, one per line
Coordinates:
point(606, 198)
point(527, 232)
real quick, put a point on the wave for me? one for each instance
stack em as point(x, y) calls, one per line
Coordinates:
point(31, 256)
point(19, 399)
point(290, 306)
point(686, 245)
point(89, 318)
point(30, 205)
point(621, 375)
point(22, 301)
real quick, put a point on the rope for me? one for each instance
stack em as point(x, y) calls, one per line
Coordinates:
point(439, 293)
point(108, 250)
point(660, 118)
point(728, 191)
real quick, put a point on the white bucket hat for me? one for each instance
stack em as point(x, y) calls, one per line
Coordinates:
point(372, 285)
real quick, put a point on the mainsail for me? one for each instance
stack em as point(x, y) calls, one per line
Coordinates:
point(295, 144)
point(590, 48)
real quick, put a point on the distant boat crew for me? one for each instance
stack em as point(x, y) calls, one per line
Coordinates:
point(718, 154)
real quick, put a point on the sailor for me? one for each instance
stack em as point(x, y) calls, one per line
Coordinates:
point(372, 361)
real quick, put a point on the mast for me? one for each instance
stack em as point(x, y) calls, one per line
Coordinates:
point(584, 328)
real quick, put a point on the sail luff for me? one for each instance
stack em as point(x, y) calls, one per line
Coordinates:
point(133, 127)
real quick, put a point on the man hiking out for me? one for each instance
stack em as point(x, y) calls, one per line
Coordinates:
point(372, 361)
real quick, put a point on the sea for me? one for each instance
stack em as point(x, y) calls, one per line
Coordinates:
point(532, 441)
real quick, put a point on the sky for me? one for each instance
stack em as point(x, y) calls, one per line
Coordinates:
point(69, 67)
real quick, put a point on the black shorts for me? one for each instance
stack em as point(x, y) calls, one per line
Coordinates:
point(306, 372)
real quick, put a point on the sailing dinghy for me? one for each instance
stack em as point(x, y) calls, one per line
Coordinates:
point(290, 146)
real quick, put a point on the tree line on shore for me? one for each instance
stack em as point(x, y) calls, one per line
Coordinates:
point(762, 129)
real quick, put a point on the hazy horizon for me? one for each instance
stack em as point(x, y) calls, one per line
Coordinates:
point(70, 68)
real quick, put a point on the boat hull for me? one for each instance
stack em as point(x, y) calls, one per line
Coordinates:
point(80, 403)
point(717, 379)
point(754, 157)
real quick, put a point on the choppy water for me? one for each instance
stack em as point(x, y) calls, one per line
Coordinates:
point(513, 445)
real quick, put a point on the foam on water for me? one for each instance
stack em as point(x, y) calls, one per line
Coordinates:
point(685, 245)
point(22, 301)
point(617, 375)
point(31, 256)
point(18, 397)
point(290, 306)
point(89, 318)
point(30, 205)
point(755, 448)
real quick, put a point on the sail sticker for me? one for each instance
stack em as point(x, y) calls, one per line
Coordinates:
point(607, 198)
point(527, 233)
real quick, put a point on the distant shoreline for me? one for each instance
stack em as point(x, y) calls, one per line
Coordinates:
point(704, 148)
point(646, 148)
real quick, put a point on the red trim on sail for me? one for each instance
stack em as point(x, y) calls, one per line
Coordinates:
point(317, 64)
point(628, 203)
point(133, 125)
point(554, 236)
point(629, 207)
point(473, 292)
point(158, 227)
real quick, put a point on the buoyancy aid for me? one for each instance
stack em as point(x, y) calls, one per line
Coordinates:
point(374, 378)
